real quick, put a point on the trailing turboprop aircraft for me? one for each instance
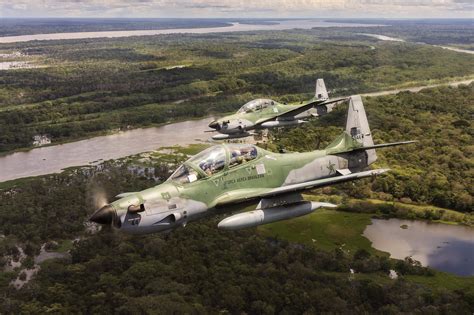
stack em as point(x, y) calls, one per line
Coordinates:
point(228, 174)
point(265, 113)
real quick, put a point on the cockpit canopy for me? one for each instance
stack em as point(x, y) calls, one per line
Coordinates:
point(255, 105)
point(213, 160)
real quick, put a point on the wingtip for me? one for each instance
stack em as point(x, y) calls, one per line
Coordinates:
point(317, 205)
point(381, 171)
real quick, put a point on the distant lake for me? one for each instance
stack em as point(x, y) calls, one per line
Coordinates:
point(443, 247)
point(53, 159)
point(235, 27)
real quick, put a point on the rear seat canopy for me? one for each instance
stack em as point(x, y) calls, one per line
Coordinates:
point(240, 154)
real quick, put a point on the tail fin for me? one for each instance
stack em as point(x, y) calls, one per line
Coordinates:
point(321, 92)
point(357, 138)
point(358, 128)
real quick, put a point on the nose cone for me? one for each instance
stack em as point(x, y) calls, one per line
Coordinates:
point(215, 125)
point(104, 215)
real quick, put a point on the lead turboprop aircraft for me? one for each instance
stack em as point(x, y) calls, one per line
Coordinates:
point(212, 181)
point(265, 113)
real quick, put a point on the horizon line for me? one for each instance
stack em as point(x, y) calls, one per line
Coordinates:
point(242, 18)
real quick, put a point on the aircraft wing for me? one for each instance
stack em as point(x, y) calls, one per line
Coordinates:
point(241, 195)
point(298, 110)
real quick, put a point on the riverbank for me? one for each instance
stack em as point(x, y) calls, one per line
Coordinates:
point(104, 133)
point(443, 247)
point(325, 229)
point(170, 156)
point(396, 209)
point(53, 159)
point(228, 27)
point(334, 230)
point(414, 86)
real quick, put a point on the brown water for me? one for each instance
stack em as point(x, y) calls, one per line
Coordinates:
point(383, 37)
point(8, 65)
point(235, 27)
point(444, 247)
point(418, 88)
point(394, 39)
point(53, 159)
point(457, 49)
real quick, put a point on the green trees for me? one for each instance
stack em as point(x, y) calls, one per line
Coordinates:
point(114, 83)
point(198, 269)
point(203, 270)
point(436, 170)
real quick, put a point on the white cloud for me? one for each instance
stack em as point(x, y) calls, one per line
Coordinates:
point(237, 8)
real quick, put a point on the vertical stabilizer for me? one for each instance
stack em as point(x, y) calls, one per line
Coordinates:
point(321, 92)
point(358, 128)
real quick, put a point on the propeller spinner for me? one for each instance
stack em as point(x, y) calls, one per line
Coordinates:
point(104, 215)
point(215, 125)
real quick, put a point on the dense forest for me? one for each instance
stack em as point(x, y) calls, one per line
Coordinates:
point(91, 86)
point(437, 170)
point(450, 32)
point(200, 269)
point(87, 87)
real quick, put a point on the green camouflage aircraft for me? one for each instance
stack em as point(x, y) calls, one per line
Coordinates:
point(231, 174)
point(265, 113)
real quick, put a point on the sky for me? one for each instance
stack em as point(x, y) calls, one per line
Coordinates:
point(238, 8)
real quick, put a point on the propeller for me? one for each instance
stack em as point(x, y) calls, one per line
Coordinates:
point(99, 197)
point(215, 125)
point(105, 213)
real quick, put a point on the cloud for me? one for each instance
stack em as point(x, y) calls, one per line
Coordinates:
point(245, 8)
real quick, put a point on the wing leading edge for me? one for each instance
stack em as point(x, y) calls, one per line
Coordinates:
point(298, 110)
point(242, 195)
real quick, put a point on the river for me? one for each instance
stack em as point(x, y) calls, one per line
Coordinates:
point(234, 27)
point(394, 39)
point(417, 88)
point(443, 247)
point(53, 159)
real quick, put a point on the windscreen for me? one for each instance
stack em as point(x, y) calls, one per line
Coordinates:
point(184, 175)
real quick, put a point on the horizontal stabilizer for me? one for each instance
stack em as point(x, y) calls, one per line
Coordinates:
point(344, 171)
point(383, 145)
point(335, 100)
